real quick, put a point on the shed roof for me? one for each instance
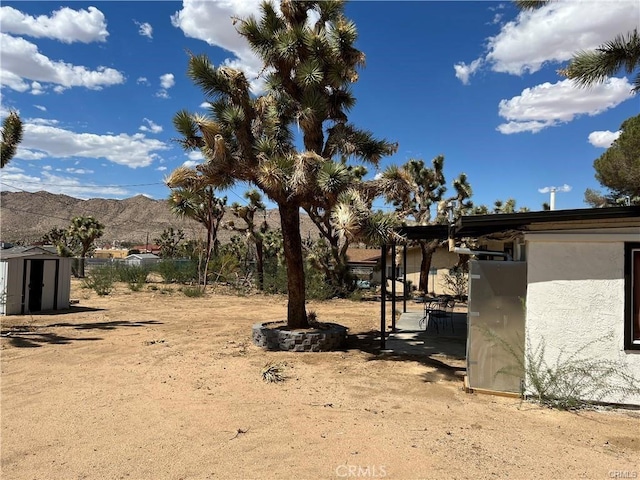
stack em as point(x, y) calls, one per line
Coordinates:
point(28, 251)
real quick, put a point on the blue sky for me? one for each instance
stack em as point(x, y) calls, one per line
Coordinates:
point(97, 85)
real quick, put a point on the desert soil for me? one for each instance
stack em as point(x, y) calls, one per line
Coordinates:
point(155, 385)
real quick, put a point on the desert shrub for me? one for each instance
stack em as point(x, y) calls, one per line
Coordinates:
point(317, 286)
point(356, 295)
point(134, 276)
point(573, 381)
point(194, 291)
point(456, 282)
point(101, 279)
point(275, 277)
point(224, 267)
point(176, 271)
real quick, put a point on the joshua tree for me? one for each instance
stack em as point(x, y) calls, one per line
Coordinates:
point(60, 238)
point(508, 206)
point(309, 66)
point(414, 189)
point(252, 232)
point(169, 242)
point(11, 137)
point(86, 230)
point(193, 198)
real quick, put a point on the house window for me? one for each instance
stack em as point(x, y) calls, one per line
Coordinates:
point(632, 296)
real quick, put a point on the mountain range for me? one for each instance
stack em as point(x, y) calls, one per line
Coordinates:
point(26, 217)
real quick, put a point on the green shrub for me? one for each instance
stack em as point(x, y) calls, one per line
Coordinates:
point(101, 279)
point(193, 292)
point(133, 275)
point(317, 286)
point(573, 381)
point(177, 271)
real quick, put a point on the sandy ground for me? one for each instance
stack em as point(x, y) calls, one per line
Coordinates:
point(151, 385)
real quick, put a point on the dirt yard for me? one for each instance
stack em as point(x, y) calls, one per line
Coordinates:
point(153, 385)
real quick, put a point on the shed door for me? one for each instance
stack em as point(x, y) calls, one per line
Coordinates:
point(35, 285)
point(49, 285)
point(41, 288)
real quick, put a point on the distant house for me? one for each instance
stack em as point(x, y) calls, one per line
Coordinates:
point(442, 262)
point(364, 263)
point(33, 279)
point(147, 248)
point(141, 259)
point(109, 253)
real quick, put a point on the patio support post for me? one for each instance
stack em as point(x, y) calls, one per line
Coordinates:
point(383, 298)
point(393, 286)
point(404, 278)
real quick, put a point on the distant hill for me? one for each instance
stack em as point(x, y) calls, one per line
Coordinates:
point(25, 217)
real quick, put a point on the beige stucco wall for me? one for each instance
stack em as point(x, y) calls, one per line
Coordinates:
point(442, 260)
point(575, 299)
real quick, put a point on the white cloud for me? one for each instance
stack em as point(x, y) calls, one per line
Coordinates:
point(464, 71)
point(65, 25)
point(21, 60)
point(195, 156)
point(150, 127)
point(190, 164)
point(167, 80)
point(36, 88)
point(145, 29)
point(143, 81)
point(548, 105)
point(603, 139)
point(205, 105)
point(42, 121)
point(58, 184)
point(553, 33)
point(161, 169)
point(79, 171)
point(130, 150)
point(497, 18)
point(556, 31)
point(212, 23)
point(26, 154)
point(41, 108)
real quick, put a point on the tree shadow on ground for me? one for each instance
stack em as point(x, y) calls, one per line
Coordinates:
point(105, 325)
point(369, 342)
point(27, 336)
point(68, 311)
point(36, 339)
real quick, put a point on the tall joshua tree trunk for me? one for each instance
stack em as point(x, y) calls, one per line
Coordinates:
point(427, 249)
point(290, 221)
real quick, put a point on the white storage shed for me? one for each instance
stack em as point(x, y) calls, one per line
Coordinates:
point(33, 279)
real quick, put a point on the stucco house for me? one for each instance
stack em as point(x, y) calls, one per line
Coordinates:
point(553, 285)
point(33, 279)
